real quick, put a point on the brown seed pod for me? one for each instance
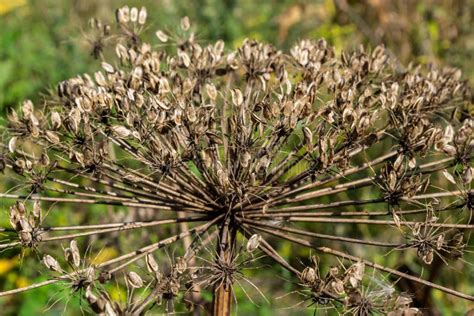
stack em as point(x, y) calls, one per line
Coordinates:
point(72, 254)
point(449, 176)
point(245, 159)
point(26, 238)
point(37, 214)
point(253, 243)
point(440, 242)
point(134, 14)
point(52, 137)
point(211, 91)
point(338, 286)
point(308, 138)
point(12, 144)
point(467, 175)
point(134, 280)
point(121, 131)
point(161, 36)
point(20, 207)
point(151, 263)
point(185, 24)
point(428, 256)
point(97, 304)
point(308, 275)
point(108, 67)
point(181, 265)
point(237, 97)
point(355, 273)
point(142, 15)
point(51, 263)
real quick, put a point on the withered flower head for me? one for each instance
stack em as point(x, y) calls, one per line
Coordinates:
point(248, 144)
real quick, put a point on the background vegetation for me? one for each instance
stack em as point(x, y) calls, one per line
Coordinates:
point(44, 42)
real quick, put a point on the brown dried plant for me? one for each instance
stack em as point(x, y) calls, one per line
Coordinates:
point(219, 146)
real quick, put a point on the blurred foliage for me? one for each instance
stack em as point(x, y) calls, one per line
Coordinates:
point(44, 42)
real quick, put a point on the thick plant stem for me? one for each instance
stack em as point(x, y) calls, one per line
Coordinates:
point(222, 300)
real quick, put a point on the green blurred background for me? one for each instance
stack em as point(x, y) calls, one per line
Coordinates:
point(44, 42)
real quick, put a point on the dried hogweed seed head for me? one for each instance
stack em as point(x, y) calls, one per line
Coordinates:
point(215, 143)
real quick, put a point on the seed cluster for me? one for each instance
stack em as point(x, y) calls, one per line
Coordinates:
point(345, 285)
point(223, 144)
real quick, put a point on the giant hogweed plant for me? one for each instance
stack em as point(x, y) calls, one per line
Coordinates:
point(231, 152)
